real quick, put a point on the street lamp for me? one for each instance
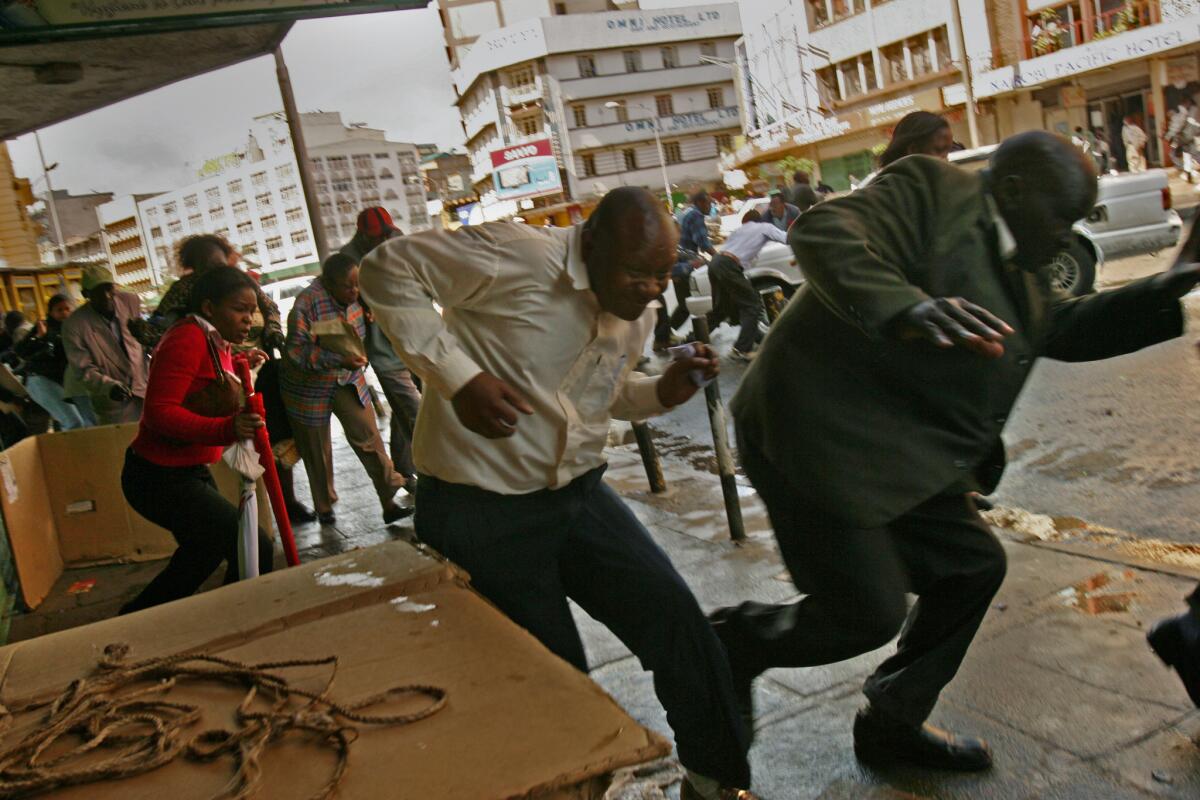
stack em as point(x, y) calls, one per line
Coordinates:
point(662, 159)
point(59, 250)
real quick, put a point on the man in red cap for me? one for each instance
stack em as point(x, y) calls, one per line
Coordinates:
point(375, 227)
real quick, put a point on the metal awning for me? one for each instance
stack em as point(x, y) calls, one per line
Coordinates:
point(52, 72)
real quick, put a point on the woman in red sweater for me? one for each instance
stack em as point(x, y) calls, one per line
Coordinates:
point(191, 414)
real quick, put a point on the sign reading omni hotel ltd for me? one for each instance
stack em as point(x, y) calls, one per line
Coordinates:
point(1128, 46)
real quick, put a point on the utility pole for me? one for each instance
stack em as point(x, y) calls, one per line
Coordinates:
point(58, 237)
point(297, 134)
point(965, 68)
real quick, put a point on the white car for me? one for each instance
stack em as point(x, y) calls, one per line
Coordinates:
point(284, 294)
point(775, 274)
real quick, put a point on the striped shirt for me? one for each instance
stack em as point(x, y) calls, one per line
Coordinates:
point(311, 375)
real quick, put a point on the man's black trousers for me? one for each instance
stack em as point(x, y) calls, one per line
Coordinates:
point(855, 583)
point(529, 553)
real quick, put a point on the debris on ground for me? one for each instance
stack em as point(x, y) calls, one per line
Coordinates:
point(1102, 593)
point(645, 782)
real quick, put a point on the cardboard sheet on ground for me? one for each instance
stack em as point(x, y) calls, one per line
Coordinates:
point(519, 722)
point(60, 494)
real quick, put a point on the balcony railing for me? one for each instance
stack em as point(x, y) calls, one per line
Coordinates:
point(1048, 32)
point(519, 95)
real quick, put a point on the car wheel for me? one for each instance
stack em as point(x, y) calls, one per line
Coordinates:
point(1074, 270)
point(775, 295)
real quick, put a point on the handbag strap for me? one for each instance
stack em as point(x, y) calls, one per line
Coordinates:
point(215, 355)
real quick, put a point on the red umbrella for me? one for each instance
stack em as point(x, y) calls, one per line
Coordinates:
point(266, 457)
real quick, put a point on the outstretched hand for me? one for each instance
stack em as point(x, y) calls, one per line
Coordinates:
point(953, 322)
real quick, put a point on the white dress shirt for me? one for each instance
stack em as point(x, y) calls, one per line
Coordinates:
point(747, 242)
point(518, 305)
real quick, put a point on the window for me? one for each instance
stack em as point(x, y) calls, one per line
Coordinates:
point(529, 124)
point(633, 61)
point(587, 66)
point(270, 223)
point(235, 187)
point(263, 201)
point(851, 81)
point(521, 77)
point(716, 97)
point(382, 156)
point(192, 201)
point(589, 165)
point(249, 248)
point(296, 215)
point(670, 57)
point(818, 13)
point(708, 49)
point(213, 195)
point(156, 232)
point(151, 213)
point(724, 142)
point(241, 209)
point(170, 210)
point(827, 87)
point(299, 237)
point(362, 162)
point(630, 157)
point(245, 229)
point(672, 152)
point(580, 113)
point(289, 194)
point(259, 179)
point(922, 58)
point(622, 111)
point(161, 252)
point(195, 221)
point(175, 227)
point(284, 171)
point(894, 69)
point(664, 104)
point(216, 213)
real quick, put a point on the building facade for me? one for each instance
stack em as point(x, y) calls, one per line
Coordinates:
point(82, 240)
point(124, 243)
point(448, 188)
point(18, 232)
point(253, 196)
point(622, 97)
point(826, 80)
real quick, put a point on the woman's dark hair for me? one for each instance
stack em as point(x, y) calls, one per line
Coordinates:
point(55, 301)
point(337, 266)
point(751, 216)
point(196, 252)
point(912, 134)
point(215, 284)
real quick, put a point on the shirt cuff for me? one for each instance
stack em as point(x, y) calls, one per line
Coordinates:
point(453, 373)
point(641, 397)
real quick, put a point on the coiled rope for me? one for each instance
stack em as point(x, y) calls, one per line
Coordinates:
point(122, 711)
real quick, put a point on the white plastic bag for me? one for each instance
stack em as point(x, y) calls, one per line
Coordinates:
point(242, 458)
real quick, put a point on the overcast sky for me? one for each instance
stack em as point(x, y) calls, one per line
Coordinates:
point(388, 70)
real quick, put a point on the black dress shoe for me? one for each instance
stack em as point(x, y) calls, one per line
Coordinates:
point(880, 740)
point(327, 517)
point(1176, 640)
point(300, 515)
point(689, 792)
point(396, 512)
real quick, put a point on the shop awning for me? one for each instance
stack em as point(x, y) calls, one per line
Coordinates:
point(56, 64)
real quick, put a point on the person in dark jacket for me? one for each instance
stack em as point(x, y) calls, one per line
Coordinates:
point(46, 365)
point(876, 407)
point(802, 195)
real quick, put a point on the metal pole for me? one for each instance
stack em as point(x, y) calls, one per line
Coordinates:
point(662, 162)
point(58, 237)
point(965, 66)
point(654, 473)
point(725, 468)
point(302, 163)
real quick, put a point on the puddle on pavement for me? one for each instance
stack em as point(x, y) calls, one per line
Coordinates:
point(1102, 593)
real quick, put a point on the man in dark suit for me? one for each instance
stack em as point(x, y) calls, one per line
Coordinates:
point(876, 406)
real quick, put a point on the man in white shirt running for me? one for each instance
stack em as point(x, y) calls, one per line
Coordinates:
point(728, 275)
point(534, 351)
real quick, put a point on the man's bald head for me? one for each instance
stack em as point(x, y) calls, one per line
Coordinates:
point(629, 247)
point(1042, 185)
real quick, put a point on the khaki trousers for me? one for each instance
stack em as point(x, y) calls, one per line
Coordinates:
point(316, 448)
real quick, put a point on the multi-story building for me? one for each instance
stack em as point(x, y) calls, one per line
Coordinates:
point(447, 186)
point(1067, 64)
point(253, 196)
point(18, 232)
point(81, 240)
point(124, 243)
point(622, 97)
point(355, 167)
point(826, 80)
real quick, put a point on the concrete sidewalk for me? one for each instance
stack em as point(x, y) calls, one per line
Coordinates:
point(1060, 679)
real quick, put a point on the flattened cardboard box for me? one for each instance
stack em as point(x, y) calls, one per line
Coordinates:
point(63, 506)
point(519, 722)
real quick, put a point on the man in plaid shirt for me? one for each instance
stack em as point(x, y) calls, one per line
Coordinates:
point(317, 382)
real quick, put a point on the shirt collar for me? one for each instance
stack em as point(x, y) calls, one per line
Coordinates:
point(1004, 237)
point(574, 263)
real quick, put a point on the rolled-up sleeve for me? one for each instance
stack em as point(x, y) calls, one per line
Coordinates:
point(637, 399)
point(403, 279)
